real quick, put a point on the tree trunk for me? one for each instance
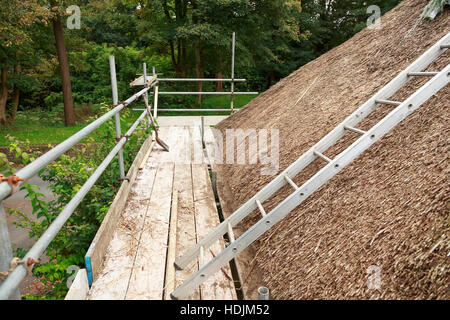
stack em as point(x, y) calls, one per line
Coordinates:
point(178, 60)
point(16, 94)
point(183, 59)
point(219, 85)
point(270, 79)
point(199, 70)
point(69, 114)
point(172, 56)
point(4, 96)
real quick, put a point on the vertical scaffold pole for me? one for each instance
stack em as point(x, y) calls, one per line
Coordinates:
point(112, 67)
point(203, 132)
point(156, 91)
point(144, 67)
point(263, 293)
point(5, 248)
point(233, 48)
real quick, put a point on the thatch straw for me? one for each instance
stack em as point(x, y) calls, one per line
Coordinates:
point(389, 208)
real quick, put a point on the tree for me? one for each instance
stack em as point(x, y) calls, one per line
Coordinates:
point(332, 22)
point(58, 31)
point(4, 96)
point(109, 22)
point(16, 92)
point(14, 37)
point(158, 26)
point(198, 32)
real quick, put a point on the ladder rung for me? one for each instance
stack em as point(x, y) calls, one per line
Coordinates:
point(354, 130)
point(445, 46)
point(320, 155)
point(423, 74)
point(394, 103)
point(201, 258)
point(230, 233)
point(292, 183)
point(260, 207)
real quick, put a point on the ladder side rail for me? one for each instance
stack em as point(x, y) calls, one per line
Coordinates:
point(315, 182)
point(332, 137)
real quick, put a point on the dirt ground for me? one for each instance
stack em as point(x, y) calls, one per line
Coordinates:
point(384, 215)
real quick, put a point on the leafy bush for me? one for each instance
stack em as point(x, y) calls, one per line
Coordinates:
point(90, 78)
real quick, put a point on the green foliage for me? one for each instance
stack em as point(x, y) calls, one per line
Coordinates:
point(274, 37)
point(90, 71)
point(197, 34)
point(330, 23)
point(28, 12)
point(109, 22)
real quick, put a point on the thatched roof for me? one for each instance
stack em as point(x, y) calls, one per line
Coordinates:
point(389, 208)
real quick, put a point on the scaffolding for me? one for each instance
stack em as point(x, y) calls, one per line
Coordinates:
point(13, 269)
point(143, 80)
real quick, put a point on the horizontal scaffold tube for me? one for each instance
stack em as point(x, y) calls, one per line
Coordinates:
point(201, 80)
point(207, 93)
point(189, 110)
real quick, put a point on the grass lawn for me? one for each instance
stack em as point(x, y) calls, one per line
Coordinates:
point(34, 126)
point(223, 102)
point(38, 132)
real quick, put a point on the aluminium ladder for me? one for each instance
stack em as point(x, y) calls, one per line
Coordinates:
point(367, 138)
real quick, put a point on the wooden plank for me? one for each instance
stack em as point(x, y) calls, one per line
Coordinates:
point(172, 136)
point(155, 101)
point(213, 148)
point(176, 138)
point(97, 250)
point(219, 286)
point(79, 288)
point(140, 81)
point(150, 149)
point(186, 233)
point(169, 282)
point(147, 278)
point(113, 279)
point(181, 152)
point(197, 154)
point(189, 147)
point(182, 146)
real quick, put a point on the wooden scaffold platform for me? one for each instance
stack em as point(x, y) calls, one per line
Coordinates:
point(169, 207)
